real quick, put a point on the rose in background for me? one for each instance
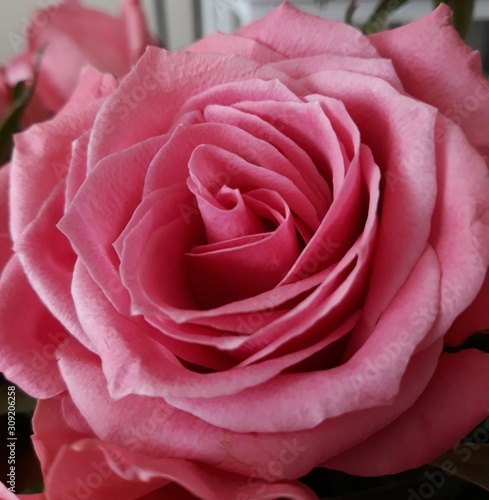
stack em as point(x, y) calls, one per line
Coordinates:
point(5, 97)
point(245, 260)
point(70, 36)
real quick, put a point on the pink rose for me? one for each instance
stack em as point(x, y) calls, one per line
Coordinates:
point(73, 36)
point(244, 261)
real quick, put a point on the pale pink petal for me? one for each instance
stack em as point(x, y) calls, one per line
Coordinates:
point(460, 225)
point(390, 123)
point(5, 494)
point(330, 393)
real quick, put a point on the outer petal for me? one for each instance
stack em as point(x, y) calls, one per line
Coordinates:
point(28, 342)
point(455, 401)
point(42, 154)
point(323, 36)
point(5, 241)
point(221, 43)
point(429, 74)
point(182, 435)
point(76, 463)
point(474, 319)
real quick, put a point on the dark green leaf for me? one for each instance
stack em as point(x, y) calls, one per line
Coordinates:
point(472, 465)
point(22, 94)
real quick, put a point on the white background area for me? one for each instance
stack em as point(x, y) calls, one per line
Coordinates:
point(217, 15)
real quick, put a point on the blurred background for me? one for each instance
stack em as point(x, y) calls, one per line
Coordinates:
point(177, 23)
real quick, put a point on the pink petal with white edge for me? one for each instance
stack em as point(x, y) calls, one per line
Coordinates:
point(455, 401)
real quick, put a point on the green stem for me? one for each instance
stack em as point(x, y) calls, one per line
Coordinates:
point(381, 15)
point(352, 7)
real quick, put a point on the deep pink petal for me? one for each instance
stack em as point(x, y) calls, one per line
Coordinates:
point(454, 403)
point(474, 319)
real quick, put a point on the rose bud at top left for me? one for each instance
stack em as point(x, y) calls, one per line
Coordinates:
point(70, 37)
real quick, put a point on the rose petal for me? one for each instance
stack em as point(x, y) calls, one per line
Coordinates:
point(222, 43)
point(455, 401)
point(5, 240)
point(323, 36)
point(29, 338)
point(49, 268)
point(111, 470)
point(182, 435)
point(43, 153)
point(156, 99)
point(429, 77)
point(85, 224)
